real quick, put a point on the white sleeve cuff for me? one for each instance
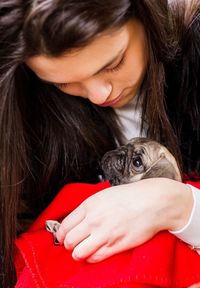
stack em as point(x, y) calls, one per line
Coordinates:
point(190, 233)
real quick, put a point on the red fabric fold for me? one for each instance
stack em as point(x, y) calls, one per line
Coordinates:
point(164, 261)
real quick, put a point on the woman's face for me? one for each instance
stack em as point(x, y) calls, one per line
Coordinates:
point(108, 71)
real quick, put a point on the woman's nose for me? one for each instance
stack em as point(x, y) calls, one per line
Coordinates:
point(97, 91)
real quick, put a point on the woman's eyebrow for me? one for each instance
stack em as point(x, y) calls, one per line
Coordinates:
point(101, 69)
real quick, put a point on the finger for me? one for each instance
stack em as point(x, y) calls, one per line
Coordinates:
point(102, 254)
point(108, 250)
point(69, 222)
point(87, 247)
point(76, 235)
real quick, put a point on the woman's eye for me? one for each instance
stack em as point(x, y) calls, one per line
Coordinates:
point(117, 67)
point(112, 69)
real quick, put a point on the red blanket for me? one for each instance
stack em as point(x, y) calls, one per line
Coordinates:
point(163, 261)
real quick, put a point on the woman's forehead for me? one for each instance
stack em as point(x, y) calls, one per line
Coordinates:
point(84, 62)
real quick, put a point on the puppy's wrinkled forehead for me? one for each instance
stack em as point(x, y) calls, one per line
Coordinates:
point(142, 147)
point(140, 143)
point(135, 148)
point(136, 145)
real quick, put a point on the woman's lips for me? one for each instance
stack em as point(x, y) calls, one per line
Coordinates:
point(112, 102)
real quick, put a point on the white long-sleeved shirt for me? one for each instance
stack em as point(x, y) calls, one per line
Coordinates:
point(130, 118)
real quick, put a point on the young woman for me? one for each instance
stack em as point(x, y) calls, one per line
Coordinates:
point(71, 74)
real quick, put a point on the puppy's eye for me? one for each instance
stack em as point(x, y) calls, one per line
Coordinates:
point(137, 162)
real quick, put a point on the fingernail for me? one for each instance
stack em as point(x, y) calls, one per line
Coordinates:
point(56, 242)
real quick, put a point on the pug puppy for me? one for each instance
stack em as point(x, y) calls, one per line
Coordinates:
point(140, 158)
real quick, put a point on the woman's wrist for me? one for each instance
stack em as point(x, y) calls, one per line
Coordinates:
point(178, 204)
point(190, 233)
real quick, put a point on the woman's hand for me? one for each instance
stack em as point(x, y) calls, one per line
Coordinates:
point(122, 217)
point(197, 285)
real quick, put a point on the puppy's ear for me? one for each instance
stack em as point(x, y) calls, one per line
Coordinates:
point(162, 168)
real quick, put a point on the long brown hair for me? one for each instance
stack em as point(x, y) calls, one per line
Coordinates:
point(37, 120)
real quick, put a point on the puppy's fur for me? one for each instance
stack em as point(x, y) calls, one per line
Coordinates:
point(140, 158)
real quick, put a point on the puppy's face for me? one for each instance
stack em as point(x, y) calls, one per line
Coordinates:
point(140, 158)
